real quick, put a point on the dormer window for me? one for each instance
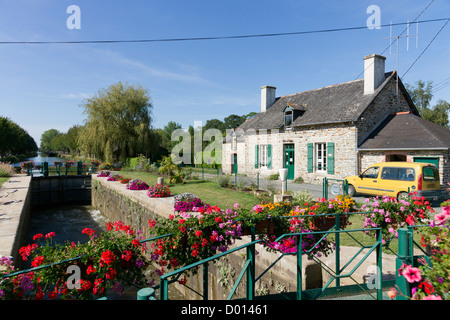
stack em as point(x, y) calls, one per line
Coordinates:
point(288, 117)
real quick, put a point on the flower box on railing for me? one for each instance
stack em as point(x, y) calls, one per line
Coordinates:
point(261, 227)
point(324, 223)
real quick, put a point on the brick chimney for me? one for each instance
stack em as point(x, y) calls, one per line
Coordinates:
point(373, 72)
point(267, 97)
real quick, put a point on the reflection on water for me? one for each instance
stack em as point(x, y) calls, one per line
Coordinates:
point(41, 159)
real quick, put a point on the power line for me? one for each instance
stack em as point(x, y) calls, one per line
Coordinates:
point(214, 37)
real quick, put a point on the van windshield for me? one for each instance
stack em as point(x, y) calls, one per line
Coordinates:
point(430, 174)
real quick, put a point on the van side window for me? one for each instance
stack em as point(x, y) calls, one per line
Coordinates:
point(371, 173)
point(405, 174)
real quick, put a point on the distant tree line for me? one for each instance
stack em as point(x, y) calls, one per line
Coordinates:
point(14, 140)
point(230, 122)
point(53, 140)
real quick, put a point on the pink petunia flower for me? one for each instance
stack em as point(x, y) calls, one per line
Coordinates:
point(411, 274)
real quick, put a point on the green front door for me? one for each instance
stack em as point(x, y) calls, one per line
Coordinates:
point(235, 168)
point(289, 160)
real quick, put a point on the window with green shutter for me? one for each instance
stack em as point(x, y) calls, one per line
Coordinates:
point(269, 156)
point(310, 157)
point(330, 157)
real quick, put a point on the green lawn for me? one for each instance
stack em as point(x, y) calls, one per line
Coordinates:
point(3, 180)
point(208, 191)
point(212, 194)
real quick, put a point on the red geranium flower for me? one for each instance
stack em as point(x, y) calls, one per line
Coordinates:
point(108, 257)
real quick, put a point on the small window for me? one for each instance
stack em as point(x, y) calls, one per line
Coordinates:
point(371, 173)
point(430, 174)
point(233, 141)
point(263, 158)
point(321, 157)
point(288, 117)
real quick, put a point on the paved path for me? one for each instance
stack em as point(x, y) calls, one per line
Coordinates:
point(316, 191)
point(13, 198)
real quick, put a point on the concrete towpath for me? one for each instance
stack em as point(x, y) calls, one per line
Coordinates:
point(15, 195)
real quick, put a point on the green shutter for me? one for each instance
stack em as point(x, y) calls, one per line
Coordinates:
point(330, 157)
point(269, 156)
point(256, 156)
point(310, 157)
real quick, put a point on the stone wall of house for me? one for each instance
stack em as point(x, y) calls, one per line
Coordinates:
point(343, 136)
point(383, 105)
point(367, 158)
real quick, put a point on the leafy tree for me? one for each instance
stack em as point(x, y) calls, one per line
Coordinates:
point(14, 139)
point(118, 123)
point(46, 140)
point(422, 94)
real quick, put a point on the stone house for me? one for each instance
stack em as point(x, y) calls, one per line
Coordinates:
point(336, 131)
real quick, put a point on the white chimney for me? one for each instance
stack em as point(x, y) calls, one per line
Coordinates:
point(267, 97)
point(373, 72)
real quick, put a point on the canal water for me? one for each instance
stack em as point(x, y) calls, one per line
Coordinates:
point(41, 159)
point(67, 222)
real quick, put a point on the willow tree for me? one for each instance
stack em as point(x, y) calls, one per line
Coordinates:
point(118, 123)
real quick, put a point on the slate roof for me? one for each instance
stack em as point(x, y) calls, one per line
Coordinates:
point(338, 103)
point(407, 131)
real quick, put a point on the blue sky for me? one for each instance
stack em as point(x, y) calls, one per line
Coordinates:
point(43, 86)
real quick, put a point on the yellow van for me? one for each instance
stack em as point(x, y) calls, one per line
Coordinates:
point(395, 179)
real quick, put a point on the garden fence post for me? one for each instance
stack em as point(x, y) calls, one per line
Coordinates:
point(338, 250)
point(251, 268)
point(257, 181)
point(146, 294)
point(379, 266)
point(404, 257)
point(299, 267)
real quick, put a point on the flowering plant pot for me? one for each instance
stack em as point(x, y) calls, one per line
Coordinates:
point(266, 226)
point(390, 214)
point(137, 184)
point(158, 191)
point(324, 223)
point(109, 260)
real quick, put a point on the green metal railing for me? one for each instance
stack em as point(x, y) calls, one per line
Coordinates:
point(61, 169)
point(250, 262)
point(405, 255)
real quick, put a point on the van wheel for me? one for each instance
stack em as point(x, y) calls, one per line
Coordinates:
point(402, 196)
point(351, 190)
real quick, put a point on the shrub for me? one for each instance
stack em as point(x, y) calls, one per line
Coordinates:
point(223, 180)
point(6, 170)
point(299, 198)
point(274, 176)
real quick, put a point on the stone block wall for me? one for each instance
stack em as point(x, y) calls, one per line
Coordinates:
point(382, 106)
point(368, 158)
point(343, 136)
